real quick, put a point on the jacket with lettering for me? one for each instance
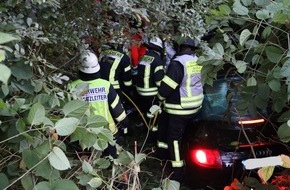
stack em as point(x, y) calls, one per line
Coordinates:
point(104, 99)
point(116, 67)
point(150, 73)
point(181, 88)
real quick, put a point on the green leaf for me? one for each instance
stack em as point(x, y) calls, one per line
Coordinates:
point(252, 81)
point(46, 171)
point(64, 184)
point(170, 184)
point(5, 38)
point(83, 178)
point(240, 9)
point(27, 182)
point(244, 36)
point(30, 158)
point(21, 127)
point(5, 73)
point(285, 70)
point(21, 70)
point(102, 163)
point(87, 168)
point(140, 158)
point(124, 158)
point(66, 126)
point(219, 51)
point(58, 159)
point(266, 32)
point(2, 55)
point(265, 173)
point(241, 66)
point(280, 18)
point(275, 85)
point(85, 138)
point(263, 14)
point(43, 186)
point(284, 133)
point(95, 182)
point(260, 102)
point(75, 107)
point(247, 2)
point(4, 182)
point(100, 144)
point(225, 9)
point(284, 117)
point(25, 86)
point(263, 91)
point(95, 121)
point(274, 54)
point(29, 21)
point(36, 114)
point(261, 2)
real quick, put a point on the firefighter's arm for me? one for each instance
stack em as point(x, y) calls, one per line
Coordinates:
point(126, 65)
point(116, 108)
point(158, 72)
point(171, 80)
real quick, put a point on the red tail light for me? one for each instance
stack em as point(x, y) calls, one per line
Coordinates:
point(209, 158)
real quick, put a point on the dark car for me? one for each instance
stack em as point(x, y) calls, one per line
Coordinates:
point(222, 137)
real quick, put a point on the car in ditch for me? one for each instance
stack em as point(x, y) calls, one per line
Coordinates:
point(222, 136)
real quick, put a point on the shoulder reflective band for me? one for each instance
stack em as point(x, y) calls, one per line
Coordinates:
point(169, 82)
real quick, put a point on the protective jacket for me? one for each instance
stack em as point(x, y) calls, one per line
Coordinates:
point(116, 68)
point(150, 74)
point(104, 100)
point(181, 89)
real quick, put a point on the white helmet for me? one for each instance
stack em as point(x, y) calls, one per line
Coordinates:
point(156, 42)
point(89, 63)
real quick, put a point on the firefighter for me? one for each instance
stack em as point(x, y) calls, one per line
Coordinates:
point(150, 74)
point(181, 92)
point(115, 66)
point(101, 95)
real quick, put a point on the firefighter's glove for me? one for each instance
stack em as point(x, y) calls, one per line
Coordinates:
point(153, 111)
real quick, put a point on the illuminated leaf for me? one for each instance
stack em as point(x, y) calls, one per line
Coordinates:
point(5, 73)
point(95, 182)
point(5, 38)
point(36, 114)
point(58, 159)
point(244, 36)
point(265, 173)
point(286, 161)
point(66, 126)
point(252, 81)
